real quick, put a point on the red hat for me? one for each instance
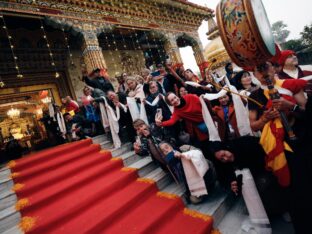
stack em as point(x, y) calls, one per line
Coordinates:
point(284, 55)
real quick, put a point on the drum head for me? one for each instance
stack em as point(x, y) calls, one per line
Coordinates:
point(263, 24)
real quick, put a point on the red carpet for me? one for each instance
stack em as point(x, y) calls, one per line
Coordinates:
point(76, 188)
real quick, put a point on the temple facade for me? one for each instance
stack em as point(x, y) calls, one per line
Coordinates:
point(45, 45)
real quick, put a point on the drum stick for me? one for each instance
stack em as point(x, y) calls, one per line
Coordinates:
point(243, 96)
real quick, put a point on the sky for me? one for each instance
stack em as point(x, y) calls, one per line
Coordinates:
point(295, 13)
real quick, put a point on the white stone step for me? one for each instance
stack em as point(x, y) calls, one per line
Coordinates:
point(144, 166)
point(7, 198)
point(234, 218)
point(13, 230)
point(106, 145)
point(99, 139)
point(123, 149)
point(217, 204)
point(6, 184)
point(130, 158)
point(5, 173)
point(174, 188)
point(9, 218)
point(161, 178)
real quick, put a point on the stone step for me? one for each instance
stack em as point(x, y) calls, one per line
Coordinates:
point(106, 145)
point(234, 218)
point(217, 204)
point(6, 184)
point(9, 218)
point(123, 149)
point(5, 173)
point(144, 166)
point(13, 230)
point(99, 139)
point(161, 178)
point(175, 188)
point(3, 167)
point(7, 198)
point(130, 158)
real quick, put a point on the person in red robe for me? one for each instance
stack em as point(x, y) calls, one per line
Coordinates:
point(70, 105)
point(290, 67)
point(289, 160)
point(189, 109)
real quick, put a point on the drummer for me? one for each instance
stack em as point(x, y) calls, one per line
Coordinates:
point(289, 163)
point(290, 67)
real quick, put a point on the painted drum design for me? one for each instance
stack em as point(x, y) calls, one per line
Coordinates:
point(245, 31)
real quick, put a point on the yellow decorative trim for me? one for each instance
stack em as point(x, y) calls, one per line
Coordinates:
point(127, 169)
point(115, 159)
point(20, 204)
point(17, 187)
point(196, 214)
point(215, 231)
point(14, 175)
point(11, 164)
point(104, 151)
point(27, 223)
point(146, 180)
point(167, 195)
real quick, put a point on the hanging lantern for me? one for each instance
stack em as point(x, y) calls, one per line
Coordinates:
point(43, 94)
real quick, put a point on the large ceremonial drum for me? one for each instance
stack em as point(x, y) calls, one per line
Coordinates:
point(245, 31)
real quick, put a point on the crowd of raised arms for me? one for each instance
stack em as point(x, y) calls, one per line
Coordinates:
point(202, 130)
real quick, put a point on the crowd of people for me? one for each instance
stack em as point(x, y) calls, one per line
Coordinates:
point(202, 130)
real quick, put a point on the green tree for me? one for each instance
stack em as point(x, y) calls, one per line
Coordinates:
point(307, 35)
point(280, 32)
point(295, 45)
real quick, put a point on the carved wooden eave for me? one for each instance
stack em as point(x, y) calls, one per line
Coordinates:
point(171, 15)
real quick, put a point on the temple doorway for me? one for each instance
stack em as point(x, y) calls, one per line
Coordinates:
point(22, 118)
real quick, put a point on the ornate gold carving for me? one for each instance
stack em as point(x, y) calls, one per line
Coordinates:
point(180, 16)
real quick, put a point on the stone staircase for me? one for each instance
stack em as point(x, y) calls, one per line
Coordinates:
point(217, 205)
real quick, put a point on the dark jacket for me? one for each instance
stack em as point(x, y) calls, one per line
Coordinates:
point(99, 83)
point(248, 153)
point(151, 110)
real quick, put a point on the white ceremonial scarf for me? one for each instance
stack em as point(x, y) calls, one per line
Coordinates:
point(113, 123)
point(156, 100)
point(51, 111)
point(212, 129)
point(191, 83)
point(135, 111)
point(218, 80)
point(241, 112)
point(61, 123)
point(258, 216)
point(195, 166)
point(194, 84)
point(198, 160)
point(214, 96)
point(307, 78)
point(104, 117)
